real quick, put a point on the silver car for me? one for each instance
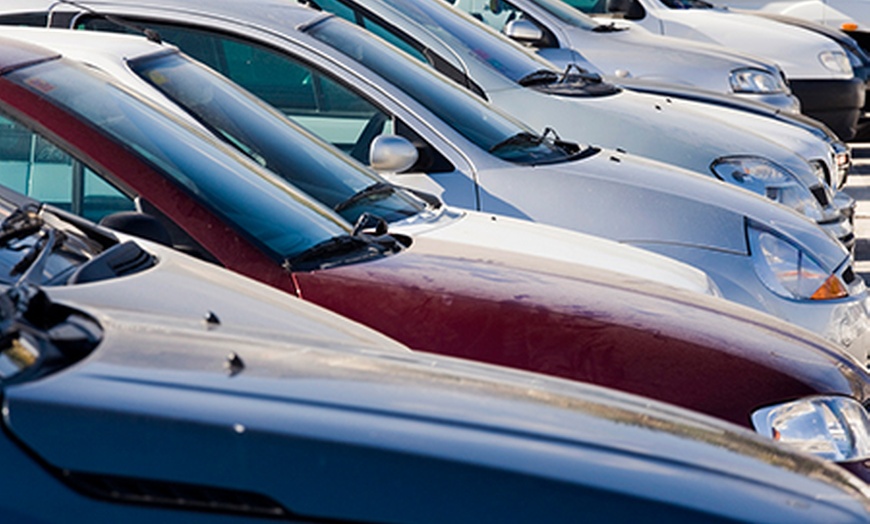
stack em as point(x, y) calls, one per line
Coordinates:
point(560, 33)
point(777, 159)
point(471, 156)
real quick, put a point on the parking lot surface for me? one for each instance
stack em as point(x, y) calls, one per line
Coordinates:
point(858, 186)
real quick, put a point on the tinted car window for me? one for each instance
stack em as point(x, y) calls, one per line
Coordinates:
point(311, 97)
point(32, 165)
point(467, 115)
point(267, 137)
point(356, 17)
point(253, 201)
point(448, 25)
point(497, 13)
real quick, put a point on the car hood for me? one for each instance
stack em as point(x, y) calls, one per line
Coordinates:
point(794, 49)
point(668, 205)
point(195, 290)
point(677, 61)
point(348, 434)
point(666, 129)
point(525, 238)
point(542, 315)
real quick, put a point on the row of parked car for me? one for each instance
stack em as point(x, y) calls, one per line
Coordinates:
point(676, 258)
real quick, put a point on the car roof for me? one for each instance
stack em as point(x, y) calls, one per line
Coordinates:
point(59, 42)
point(15, 54)
point(269, 13)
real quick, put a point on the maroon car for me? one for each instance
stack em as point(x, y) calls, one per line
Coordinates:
point(109, 151)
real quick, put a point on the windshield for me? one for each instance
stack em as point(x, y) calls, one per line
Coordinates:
point(566, 14)
point(459, 32)
point(269, 138)
point(252, 200)
point(687, 4)
point(466, 114)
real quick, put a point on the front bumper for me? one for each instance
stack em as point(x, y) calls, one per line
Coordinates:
point(841, 228)
point(837, 103)
point(845, 322)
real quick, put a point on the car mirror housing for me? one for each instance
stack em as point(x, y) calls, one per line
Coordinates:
point(392, 154)
point(524, 31)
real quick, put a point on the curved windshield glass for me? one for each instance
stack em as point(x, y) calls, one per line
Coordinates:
point(268, 137)
point(258, 204)
point(461, 110)
point(460, 33)
point(567, 14)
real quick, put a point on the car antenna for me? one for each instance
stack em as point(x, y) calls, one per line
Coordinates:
point(150, 34)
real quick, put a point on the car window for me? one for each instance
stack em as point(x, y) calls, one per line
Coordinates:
point(355, 16)
point(312, 98)
point(403, 41)
point(497, 13)
point(274, 215)
point(479, 123)
point(588, 6)
point(32, 165)
point(266, 136)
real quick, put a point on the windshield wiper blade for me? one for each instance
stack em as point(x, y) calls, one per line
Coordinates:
point(339, 246)
point(581, 74)
point(523, 138)
point(520, 139)
point(608, 28)
point(35, 259)
point(22, 222)
point(541, 76)
point(376, 189)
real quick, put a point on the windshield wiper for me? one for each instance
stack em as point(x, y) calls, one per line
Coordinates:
point(526, 139)
point(520, 139)
point(608, 28)
point(376, 189)
point(370, 238)
point(339, 247)
point(22, 222)
point(581, 74)
point(34, 261)
point(541, 76)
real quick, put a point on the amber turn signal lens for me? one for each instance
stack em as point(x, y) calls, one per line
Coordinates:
point(831, 289)
point(849, 26)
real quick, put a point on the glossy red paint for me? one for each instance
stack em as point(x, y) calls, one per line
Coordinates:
point(694, 351)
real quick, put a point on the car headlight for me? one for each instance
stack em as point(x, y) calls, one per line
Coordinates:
point(833, 428)
point(751, 80)
point(766, 178)
point(788, 271)
point(835, 61)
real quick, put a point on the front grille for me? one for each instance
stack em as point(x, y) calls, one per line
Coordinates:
point(175, 495)
point(821, 195)
point(848, 275)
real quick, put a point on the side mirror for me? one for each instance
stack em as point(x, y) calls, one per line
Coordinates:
point(392, 154)
point(524, 31)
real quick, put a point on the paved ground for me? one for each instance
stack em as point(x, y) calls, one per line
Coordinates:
point(858, 186)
